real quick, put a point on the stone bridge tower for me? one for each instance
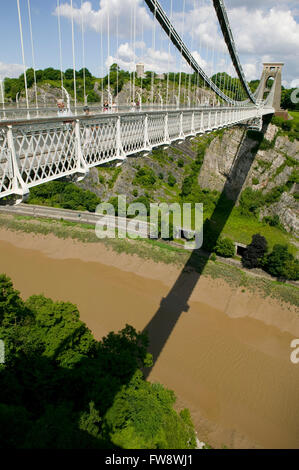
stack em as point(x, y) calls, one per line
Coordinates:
point(272, 71)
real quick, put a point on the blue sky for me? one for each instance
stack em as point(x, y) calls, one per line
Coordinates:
point(264, 30)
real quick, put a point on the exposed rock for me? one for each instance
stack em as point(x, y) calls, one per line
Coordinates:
point(271, 132)
point(287, 147)
point(287, 209)
point(260, 169)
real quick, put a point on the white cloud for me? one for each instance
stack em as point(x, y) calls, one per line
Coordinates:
point(97, 20)
point(262, 30)
point(10, 70)
point(157, 61)
point(274, 32)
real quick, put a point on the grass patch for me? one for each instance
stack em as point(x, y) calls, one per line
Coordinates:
point(241, 228)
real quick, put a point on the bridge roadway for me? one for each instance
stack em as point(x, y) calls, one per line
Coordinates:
point(36, 151)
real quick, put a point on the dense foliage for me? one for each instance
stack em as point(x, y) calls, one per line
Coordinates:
point(225, 247)
point(145, 177)
point(254, 254)
point(59, 388)
point(290, 127)
point(282, 264)
point(63, 194)
point(53, 78)
point(286, 100)
point(279, 263)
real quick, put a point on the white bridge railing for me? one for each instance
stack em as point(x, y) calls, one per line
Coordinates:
point(36, 151)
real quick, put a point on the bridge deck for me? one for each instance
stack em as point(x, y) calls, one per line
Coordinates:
point(39, 150)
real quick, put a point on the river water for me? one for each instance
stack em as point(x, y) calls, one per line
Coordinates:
point(232, 371)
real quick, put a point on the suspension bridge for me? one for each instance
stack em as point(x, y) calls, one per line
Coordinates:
point(37, 145)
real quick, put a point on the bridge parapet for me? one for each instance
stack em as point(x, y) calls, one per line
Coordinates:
point(41, 150)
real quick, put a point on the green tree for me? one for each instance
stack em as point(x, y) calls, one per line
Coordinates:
point(12, 308)
point(281, 263)
point(255, 252)
point(62, 389)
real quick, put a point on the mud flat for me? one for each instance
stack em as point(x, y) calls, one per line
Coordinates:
point(227, 358)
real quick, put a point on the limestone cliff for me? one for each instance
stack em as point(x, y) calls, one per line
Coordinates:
point(233, 155)
point(270, 168)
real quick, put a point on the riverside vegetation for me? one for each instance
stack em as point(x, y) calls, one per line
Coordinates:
point(62, 389)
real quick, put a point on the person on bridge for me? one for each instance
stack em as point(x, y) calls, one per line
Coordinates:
point(62, 111)
point(105, 106)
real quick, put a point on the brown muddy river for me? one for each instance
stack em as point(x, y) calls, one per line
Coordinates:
point(232, 371)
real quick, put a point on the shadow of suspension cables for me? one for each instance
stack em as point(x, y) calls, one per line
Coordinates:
point(171, 308)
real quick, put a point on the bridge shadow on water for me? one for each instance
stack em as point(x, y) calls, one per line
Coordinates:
point(175, 304)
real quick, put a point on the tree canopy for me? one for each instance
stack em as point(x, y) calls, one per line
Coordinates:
point(60, 388)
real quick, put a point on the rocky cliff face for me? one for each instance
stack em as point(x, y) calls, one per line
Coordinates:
point(270, 169)
point(231, 156)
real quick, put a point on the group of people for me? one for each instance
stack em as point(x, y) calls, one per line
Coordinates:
point(63, 111)
point(107, 107)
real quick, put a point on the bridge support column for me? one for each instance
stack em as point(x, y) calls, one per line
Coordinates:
point(82, 167)
point(19, 186)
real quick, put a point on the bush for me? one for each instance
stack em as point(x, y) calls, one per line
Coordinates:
point(171, 180)
point(145, 176)
point(273, 221)
point(266, 144)
point(225, 247)
point(135, 193)
point(65, 195)
point(294, 178)
point(250, 202)
point(187, 185)
point(255, 181)
point(286, 125)
point(181, 163)
point(255, 252)
point(281, 263)
point(144, 200)
point(277, 121)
